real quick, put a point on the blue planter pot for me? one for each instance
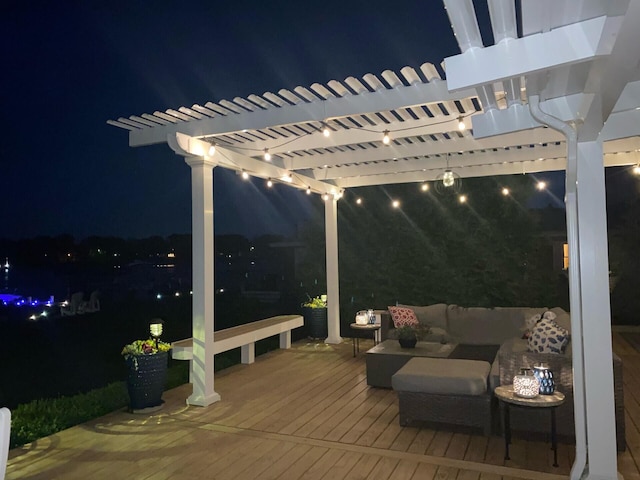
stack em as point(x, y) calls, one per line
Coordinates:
point(146, 380)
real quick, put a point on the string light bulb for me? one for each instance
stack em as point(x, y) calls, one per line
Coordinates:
point(245, 175)
point(424, 187)
point(395, 204)
point(448, 178)
point(385, 138)
point(636, 169)
point(325, 197)
point(358, 201)
point(505, 191)
point(212, 150)
point(325, 130)
point(269, 183)
point(461, 126)
point(267, 155)
point(541, 185)
point(462, 199)
point(309, 190)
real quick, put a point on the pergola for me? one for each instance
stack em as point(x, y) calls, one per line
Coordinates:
point(559, 90)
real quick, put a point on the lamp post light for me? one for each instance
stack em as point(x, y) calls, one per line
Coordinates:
point(155, 328)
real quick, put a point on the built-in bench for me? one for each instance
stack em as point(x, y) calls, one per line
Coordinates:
point(244, 336)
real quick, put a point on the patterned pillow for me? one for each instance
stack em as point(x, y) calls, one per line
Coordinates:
point(529, 324)
point(403, 316)
point(548, 337)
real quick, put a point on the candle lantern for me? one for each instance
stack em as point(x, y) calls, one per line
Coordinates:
point(545, 377)
point(525, 384)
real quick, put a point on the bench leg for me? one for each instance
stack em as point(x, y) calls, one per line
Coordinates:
point(248, 353)
point(285, 339)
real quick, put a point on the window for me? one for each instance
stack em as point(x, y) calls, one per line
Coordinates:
point(565, 256)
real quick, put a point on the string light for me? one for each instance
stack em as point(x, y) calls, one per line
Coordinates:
point(267, 155)
point(359, 201)
point(462, 199)
point(636, 169)
point(269, 183)
point(287, 178)
point(245, 175)
point(309, 190)
point(424, 187)
point(541, 185)
point(212, 149)
point(505, 191)
point(395, 204)
point(461, 126)
point(325, 130)
point(385, 138)
point(448, 179)
point(325, 197)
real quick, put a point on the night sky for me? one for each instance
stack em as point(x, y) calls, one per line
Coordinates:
point(68, 67)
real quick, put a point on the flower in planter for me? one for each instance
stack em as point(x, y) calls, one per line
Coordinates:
point(413, 331)
point(316, 302)
point(143, 347)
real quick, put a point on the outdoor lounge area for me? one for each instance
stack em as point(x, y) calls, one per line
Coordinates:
point(306, 412)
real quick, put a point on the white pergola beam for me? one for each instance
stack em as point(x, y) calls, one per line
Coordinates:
point(320, 110)
point(566, 45)
point(487, 170)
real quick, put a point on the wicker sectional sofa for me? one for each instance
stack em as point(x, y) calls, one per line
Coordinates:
point(480, 332)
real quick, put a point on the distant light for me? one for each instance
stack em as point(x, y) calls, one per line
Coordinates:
point(395, 204)
point(159, 296)
point(541, 185)
point(177, 294)
point(424, 187)
point(462, 199)
point(359, 201)
point(33, 317)
point(43, 314)
point(505, 191)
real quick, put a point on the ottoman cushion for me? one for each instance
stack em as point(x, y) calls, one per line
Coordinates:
point(442, 376)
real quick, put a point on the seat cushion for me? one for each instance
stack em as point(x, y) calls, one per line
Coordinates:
point(442, 376)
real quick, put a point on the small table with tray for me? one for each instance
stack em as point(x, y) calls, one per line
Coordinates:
point(507, 397)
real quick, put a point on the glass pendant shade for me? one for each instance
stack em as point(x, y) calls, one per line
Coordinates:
point(448, 179)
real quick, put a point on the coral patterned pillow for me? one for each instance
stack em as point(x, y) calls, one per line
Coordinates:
point(403, 316)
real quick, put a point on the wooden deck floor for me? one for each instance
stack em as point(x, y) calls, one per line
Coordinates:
point(302, 413)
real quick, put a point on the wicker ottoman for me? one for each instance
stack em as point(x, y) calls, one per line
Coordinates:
point(445, 391)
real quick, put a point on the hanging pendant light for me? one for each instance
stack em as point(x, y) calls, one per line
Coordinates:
point(448, 181)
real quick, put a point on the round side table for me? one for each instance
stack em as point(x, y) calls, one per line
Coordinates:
point(368, 327)
point(507, 397)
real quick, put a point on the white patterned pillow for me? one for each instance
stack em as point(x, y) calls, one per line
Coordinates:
point(403, 316)
point(548, 337)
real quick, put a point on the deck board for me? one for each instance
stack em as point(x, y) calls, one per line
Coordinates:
point(305, 413)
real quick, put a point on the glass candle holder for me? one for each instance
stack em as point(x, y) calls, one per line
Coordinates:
point(525, 384)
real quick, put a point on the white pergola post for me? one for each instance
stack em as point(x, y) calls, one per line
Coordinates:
point(596, 315)
point(333, 281)
point(203, 281)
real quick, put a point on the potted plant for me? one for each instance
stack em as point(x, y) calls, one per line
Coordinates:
point(314, 311)
point(408, 335)
point(147, 362)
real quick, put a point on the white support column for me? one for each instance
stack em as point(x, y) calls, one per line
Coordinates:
point(203, 281)
point(596, 316)
point(333, 276)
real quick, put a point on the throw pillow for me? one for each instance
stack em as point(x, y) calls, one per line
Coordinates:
point(403, 316)
point(548, 337)
point(529, 324)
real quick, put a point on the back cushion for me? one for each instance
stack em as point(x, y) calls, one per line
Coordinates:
point(433, 315)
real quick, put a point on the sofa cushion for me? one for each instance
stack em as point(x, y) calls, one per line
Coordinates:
point(442, 376)
point(434, 316)
point(562, 318)
point(548, 337)
point(403, 316)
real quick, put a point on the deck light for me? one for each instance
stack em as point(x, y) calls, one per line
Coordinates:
point(267, 155)
point(155, 328)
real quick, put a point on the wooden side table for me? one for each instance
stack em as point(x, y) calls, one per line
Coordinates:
point(507, 397)
point(368, 327)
